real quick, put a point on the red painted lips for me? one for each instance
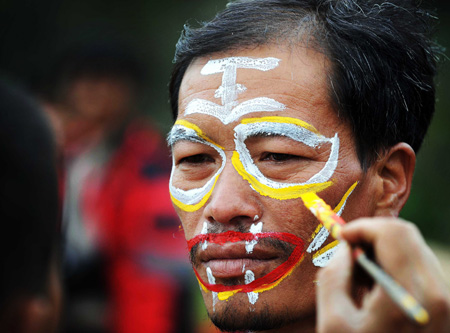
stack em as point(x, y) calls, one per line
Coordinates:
point(227, 260)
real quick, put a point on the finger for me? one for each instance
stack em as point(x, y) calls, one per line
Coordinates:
point(336, 311)
point(401, 251)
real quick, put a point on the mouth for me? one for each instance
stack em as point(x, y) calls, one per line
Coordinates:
point(226, 259)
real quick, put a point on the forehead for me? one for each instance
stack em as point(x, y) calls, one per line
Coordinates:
point(297, 79)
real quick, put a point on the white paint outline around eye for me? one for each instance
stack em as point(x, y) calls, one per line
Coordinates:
point(228, 91)
point(290, 130)
point(188, 200)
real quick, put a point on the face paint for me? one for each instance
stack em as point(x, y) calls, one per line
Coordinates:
point(261, 284)
point(212, 281)
point(324, 255)
point(203, 232)
point(294, 129)
point(254, 229)
point(249, 278)
point(192, 199)
point(228, 91)
point(320, 235)
point(287, 152)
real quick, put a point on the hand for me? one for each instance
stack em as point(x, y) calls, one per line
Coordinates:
point(401, 251)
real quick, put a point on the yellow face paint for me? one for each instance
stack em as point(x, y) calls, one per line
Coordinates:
point(320, 235)
point(282, 120)
point(192, 199)
point(284, 193)
point(197, 130)
point(197, 206)
point(300, 131)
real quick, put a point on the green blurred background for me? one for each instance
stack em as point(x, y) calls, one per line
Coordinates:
point(33, 33)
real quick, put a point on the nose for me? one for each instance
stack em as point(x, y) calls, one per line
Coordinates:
point(232, 200)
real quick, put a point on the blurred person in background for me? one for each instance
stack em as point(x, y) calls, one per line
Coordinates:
point(125, 265)
point(29, 283)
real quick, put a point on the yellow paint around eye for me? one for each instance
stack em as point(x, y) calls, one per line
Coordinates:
point(284, 120)
point(291, 192)
point(193, 208)
point(197, 129)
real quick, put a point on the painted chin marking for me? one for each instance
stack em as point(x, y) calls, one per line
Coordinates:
point(232, 261)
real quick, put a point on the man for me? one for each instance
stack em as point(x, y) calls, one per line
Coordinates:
point(29, 283)
point(274, 99)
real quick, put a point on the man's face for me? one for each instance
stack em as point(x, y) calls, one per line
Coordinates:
point(256, 130)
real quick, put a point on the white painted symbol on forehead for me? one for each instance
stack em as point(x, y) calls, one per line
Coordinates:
point(228, 91)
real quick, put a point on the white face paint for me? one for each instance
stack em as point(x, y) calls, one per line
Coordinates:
point(204, 231)
point(254, 229)
point(191, 196)
point(228, 91)
point(249, 278)
point(212, 280)
point(293, 131)
point(323, 258)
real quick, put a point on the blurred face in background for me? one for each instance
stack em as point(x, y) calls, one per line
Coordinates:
point(92, 106)
point(256, 130)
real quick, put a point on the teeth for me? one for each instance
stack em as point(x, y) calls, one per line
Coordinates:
point(255, 218)
point(254, 229)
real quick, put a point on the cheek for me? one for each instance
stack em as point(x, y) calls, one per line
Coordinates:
point(190, 222)
point(290, 216)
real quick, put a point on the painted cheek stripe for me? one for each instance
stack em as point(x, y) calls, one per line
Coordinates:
point(321, 234)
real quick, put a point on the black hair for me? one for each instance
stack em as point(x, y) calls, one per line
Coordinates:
point(383, 61)
point(28, 198)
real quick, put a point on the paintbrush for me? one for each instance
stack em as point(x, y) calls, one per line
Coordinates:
point(333, 223)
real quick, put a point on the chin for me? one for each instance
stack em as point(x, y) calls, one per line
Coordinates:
point(238, 315)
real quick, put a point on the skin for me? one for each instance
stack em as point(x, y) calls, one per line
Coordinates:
point(401, 250)
point(300, 83)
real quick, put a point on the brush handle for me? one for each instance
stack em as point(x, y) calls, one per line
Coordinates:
point(396, 292)
point(333, 223)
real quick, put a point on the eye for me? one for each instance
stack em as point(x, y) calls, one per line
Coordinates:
point(279, 157)
point(196, 159)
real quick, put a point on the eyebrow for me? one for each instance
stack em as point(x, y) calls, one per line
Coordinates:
point(181, 133)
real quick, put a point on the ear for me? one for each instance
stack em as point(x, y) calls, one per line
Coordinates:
point(395, 170)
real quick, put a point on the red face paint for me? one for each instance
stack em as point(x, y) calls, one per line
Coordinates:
point(234, 236)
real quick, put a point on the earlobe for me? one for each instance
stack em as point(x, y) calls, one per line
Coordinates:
point(395, 170)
